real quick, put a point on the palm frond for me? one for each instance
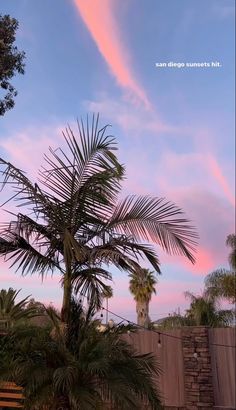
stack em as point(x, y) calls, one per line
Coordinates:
point(155, 219)
point(90, 283)
point(24, 256)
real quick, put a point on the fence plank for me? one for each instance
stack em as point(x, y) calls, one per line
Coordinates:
point(11, 404)
point(170, 358)
point(223, 366)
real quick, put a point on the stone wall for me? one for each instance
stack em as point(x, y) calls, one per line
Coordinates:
point(197, 369)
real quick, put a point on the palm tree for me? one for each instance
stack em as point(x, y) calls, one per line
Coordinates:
point(12, 312)
point(231, 242)
point(222, 282)
point(74, 224)
point(204, 311)
point(142, 286)
point(79, 368)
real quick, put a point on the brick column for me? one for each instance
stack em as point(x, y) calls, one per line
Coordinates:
point(197, 370)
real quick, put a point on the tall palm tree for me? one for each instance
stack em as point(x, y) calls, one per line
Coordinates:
point(142, 286)
point(12, 312)
point(79, 368)
point(74, 223)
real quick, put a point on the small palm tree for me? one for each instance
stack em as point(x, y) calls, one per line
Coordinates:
point(231, 242)
point(79, 368)
point(12, 312)
point(142, 286)
point(222, 282)
point(204, 311)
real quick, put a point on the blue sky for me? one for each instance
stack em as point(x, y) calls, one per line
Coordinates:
point(175, 127)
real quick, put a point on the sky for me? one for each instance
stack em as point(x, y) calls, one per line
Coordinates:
point(174, 124)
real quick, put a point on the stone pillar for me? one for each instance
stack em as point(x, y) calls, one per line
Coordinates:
point(197, 369)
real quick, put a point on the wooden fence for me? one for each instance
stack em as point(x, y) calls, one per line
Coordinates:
point(11, 396)
point(175, 379)
point(170, 357)
point(223, 366)
point(195, 363)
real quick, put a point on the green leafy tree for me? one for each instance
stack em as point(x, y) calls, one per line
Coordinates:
point(142, 286)
point(74, 223)
point(12, 312)
point(11, 61)
point(79, 367)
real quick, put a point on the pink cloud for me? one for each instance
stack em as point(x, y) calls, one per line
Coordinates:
point(99, 19)
point(186, 180)
point(218, 175)
point(205, 262)
point(25, 149)
point(131, 119)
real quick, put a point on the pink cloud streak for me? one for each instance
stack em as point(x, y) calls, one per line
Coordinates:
point(218, 175)
point(100, 22)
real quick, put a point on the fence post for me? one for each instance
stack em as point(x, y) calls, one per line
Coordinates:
point(197, 369)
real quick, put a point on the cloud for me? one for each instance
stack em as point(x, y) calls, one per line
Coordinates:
point(26, 148)
point(194, 169)
point(217, 173)
point(131, 119)
point(186, 180)
point(99, 19)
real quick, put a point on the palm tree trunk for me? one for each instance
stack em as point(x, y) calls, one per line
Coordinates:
point(67, 292)
point(142, 309)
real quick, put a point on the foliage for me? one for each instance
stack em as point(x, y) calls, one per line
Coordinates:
point(175, 320)
point(142, 284)
point(231, 243)
point(204, 311)
point(221, 284)
point(74, 223)
point(10, 311)
point(11, 61)
point(77, 367)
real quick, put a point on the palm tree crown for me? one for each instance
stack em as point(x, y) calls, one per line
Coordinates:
point(12, 312)
point(74, 223)
point(231, 243)
point(204, 311)
point(222, 282)
point(142, 285)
